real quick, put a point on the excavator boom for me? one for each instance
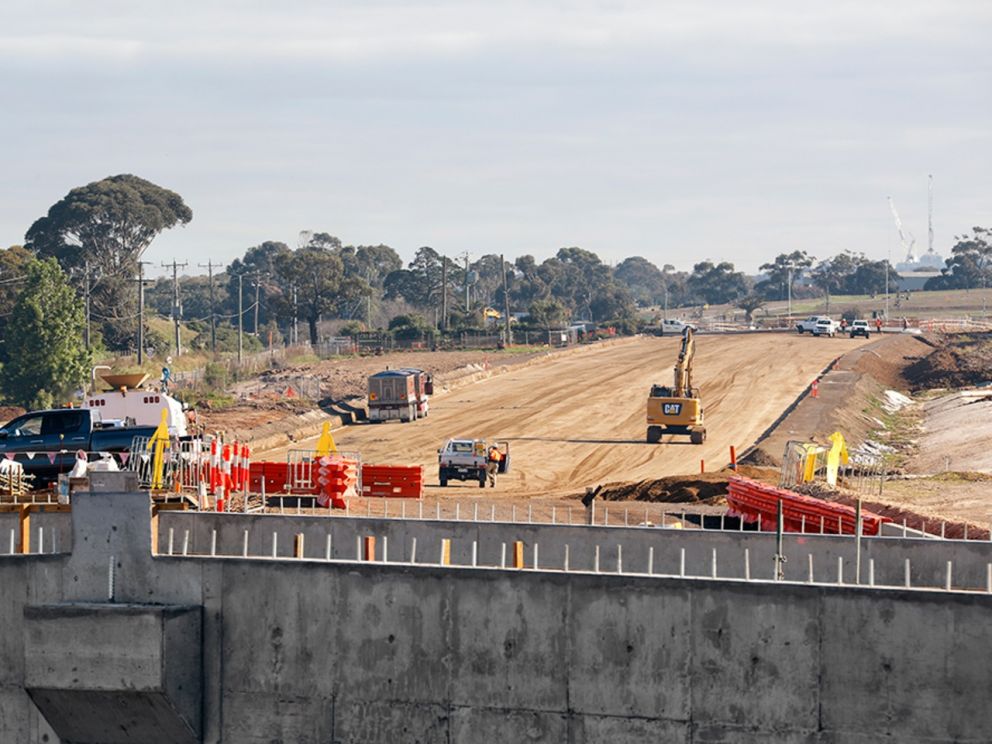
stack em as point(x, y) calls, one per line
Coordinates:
point(683, 368)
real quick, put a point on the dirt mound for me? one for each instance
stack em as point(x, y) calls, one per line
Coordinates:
point(759, 458)
point(960, 362)
point(885, 360)
point(705, 488)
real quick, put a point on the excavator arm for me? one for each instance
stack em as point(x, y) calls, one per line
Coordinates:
point(683, 368)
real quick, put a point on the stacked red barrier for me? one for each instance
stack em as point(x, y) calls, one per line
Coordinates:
point(337, 478)
point(752, 500)
point(393, 481)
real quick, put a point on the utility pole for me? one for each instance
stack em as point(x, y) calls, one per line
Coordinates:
point(210, 266)
point(240, 317)
point(176, 310)
point(141, 310)
point(444, 293)
point(467, 286)
point(790, 267)
point(295, 334)
point(86, 299)
point(258, 283)
point(506, 303)
point(368, 305)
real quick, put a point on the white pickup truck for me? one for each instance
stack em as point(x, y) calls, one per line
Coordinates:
point(809, 324)
point(465, 460)
point(673, 327)
point(826, 327)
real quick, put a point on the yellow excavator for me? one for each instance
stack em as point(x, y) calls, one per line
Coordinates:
point(677, 409)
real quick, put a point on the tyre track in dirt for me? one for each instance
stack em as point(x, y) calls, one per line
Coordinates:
point(578, 420)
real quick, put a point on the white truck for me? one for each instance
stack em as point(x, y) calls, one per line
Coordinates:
point(129, 404)
point(826, 327)
point(673, 327)
point(466, 459)
point(809, 324)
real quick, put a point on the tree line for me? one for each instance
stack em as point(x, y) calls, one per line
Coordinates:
point(78, 274)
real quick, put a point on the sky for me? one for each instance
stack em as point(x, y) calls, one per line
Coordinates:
point(677, 131)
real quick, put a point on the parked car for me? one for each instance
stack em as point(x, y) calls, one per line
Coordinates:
point(46, 442)
point(826, 327)
point(809, 324)
point(859, 328)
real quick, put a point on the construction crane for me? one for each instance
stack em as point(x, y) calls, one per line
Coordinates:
point(906, 245)
point(677, 409)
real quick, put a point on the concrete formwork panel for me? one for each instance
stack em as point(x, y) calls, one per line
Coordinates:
point(508, 641)
point(629, 651)
point(910, 667)
point(755, 656)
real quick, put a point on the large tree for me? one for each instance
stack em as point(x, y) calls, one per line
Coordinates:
point(104, 228)
point(13, 262)
point(259, 264)
point(646, 282)
point(716, 284)
point(316, 272)
point(970, 264)
point(786, 268)
point(44, 359)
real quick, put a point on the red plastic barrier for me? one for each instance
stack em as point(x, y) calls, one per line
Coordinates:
point(752, 500)
point(393, 481)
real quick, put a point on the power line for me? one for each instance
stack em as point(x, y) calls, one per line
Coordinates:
point(176, 306)
point(210, 266)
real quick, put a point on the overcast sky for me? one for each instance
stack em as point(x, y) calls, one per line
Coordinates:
point(673, 130)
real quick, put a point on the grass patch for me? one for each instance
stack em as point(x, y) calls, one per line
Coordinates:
point(900, 430)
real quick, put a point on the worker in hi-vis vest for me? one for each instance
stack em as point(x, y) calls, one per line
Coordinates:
point(492, 464)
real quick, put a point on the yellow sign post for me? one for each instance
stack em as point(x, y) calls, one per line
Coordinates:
point(158, 443)
point(326, 445)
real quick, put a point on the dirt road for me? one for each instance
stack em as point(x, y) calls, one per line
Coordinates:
point(579, 420)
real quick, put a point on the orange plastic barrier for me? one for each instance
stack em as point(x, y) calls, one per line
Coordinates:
point(752, 500)
point(393, 481)
point(337, 478)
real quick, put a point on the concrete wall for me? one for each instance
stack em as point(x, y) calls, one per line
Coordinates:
point(928, 558)
point(311, 651)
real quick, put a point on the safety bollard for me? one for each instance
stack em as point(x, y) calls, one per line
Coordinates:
point(810, 567)
point(536, 562)
point(368, 548)
point(906, 574)
point(713, 565)
point(298, 545)
point(171, 536)
point(747, 564)
point(595, 565)
point(244, 544)
point(213, 542)
point(565, 563)
point(651, 560)
point(327, 548)
point(275, 544)
point(733, 457)
point(682, 562)
point(518, 554)
point(702, 466)
point(619, 559)
point(413, 550)
point(385, 548)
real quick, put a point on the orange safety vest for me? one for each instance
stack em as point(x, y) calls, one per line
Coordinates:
point(495, 455)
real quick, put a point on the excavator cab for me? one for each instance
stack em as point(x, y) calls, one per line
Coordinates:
point(677, 409)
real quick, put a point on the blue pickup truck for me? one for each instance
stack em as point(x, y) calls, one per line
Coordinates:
point(61, 432)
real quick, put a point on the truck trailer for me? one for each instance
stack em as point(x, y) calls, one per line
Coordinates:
point(400, 394)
